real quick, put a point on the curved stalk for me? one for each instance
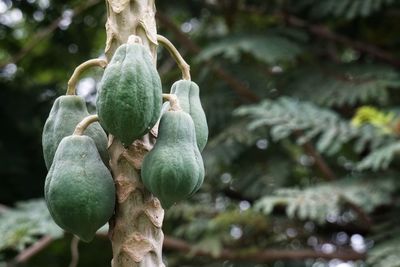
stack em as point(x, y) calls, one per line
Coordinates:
point(71, 90)
point(173, 101)
point(183, 66)
point(82, 126)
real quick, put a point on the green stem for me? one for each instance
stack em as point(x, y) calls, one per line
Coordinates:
point(183, 66)
point(81, 127)
point(71, 90)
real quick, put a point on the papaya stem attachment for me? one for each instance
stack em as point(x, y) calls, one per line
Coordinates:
point(183, 66)
point(173, 101)
point(71, 90)
point(146, 31)
point(82, 126)
point(134, 39)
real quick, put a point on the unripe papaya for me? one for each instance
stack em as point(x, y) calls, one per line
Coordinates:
point(189, 99)
point(129, 99)
point(79, 189)
point(173, 169)
point(66, 113)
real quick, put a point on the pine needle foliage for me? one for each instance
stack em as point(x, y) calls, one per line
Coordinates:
point(348, 9)
point(318, 203)
point(386, 254)
point(270, 48)
point(344, 84)
point(380, 158)
point(286, 116)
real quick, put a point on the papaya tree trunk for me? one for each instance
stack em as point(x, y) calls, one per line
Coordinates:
point(135, 229)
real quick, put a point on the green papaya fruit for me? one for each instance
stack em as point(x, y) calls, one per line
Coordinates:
point(79, 189)
point(66, 113)
point(173, 169)
point(130, 94)
point(189, 100)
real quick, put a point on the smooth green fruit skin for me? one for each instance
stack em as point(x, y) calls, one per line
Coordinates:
point(189, 100)
point(173, 170)
point(66, 113)
point(129, 99)
point(79, 189)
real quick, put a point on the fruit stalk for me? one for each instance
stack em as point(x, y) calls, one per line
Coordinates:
point(173, 101)
point(71, 90)
point(135, 229)
point(81, 127)
point(183, 66)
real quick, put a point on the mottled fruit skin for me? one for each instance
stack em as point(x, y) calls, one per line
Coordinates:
point(189, 100)
point(129, 99)
point(173, 170)
point(79, 189)
point(66, 113)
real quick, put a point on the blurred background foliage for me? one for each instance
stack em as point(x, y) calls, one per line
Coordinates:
point(302, 103)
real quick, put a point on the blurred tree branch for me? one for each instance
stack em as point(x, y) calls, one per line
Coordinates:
point(74, 251)
point(263, 256)
point(31, 251)
point(321, 164)
point(170, 243)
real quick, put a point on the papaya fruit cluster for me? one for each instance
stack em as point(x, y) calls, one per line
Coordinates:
point(79, 189)
point(174, 169)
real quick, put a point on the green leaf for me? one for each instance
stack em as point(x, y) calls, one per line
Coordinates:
point(24, 224)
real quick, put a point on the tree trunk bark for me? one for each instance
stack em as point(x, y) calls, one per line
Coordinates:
point(135, 229)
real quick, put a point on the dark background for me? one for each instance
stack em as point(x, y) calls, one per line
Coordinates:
point(311, 165)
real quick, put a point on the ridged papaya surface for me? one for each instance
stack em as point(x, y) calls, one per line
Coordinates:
point(173, 169)
point(188, 94)
point(129, 99)
point(66, 113)
point(79, 189)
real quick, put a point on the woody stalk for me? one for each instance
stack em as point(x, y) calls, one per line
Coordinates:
point(135, 230)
